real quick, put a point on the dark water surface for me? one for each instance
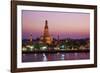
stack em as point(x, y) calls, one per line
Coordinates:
point(36, 57)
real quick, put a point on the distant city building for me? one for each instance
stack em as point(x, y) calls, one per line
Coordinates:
point(46, 38)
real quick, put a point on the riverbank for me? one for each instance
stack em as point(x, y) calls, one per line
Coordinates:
point(55, 51)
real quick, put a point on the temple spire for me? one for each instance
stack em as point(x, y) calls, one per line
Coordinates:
point(47, 39)
point(46, 24)
point(30, 39)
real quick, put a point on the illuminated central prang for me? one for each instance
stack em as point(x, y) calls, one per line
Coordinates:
point(46, 38)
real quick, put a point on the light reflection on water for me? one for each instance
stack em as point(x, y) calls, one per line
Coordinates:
point(54, 56)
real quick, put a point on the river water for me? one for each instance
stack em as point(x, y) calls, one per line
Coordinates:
point(40, 57)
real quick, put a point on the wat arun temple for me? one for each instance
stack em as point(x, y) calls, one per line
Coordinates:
point(46, 37)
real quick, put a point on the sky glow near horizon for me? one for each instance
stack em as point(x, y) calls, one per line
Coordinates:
point(65, 24)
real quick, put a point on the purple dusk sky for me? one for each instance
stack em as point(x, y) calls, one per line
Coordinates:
point(65, 24)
